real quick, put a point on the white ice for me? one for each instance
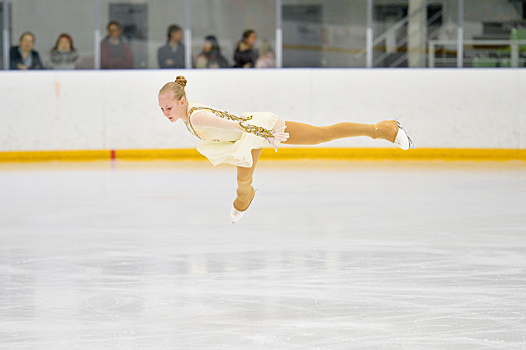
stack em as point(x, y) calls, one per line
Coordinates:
point(331, 255)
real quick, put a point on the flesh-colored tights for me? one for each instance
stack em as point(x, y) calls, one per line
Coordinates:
point(305, 134)
point(245, 191)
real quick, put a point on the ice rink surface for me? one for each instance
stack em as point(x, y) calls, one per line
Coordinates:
point(331, 255)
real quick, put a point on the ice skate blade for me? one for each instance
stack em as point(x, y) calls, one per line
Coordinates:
point(403, 140)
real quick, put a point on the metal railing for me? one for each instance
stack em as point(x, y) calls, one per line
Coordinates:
point(392, 31)
point(406, 38)
point(512, 44)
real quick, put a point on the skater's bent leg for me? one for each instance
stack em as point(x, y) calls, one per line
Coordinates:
point(245, 191)
point(305, 134)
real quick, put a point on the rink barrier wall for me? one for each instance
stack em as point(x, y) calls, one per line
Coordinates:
point(448, 112)
point(296, 153)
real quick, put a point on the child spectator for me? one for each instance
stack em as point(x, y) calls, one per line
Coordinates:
point(266, 56)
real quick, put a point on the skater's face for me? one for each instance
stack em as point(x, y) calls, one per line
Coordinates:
point(172, 109)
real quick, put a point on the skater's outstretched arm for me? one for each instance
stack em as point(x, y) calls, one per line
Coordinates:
point(206, 119)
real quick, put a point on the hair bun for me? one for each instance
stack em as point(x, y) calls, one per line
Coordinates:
point(181, 80)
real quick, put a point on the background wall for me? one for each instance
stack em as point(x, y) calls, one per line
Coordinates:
point(60, 110)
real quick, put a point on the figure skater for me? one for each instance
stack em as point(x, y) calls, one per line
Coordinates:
point(238, 140)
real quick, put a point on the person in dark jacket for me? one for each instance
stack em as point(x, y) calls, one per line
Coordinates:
point(172, 55)
point(246, 55)
point(23, 56)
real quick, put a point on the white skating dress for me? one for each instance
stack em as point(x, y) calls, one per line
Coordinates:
point(221, 143)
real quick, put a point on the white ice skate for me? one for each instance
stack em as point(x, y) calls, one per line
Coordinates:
point(236, 215)
point(403, 140)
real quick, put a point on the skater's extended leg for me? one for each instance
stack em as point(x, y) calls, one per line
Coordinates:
point(305, 134)
point(245, 191)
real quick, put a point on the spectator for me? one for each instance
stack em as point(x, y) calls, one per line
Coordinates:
point(171, 55)
point(114, 52)
point(63, 55)
point(245, 55)
point(23, 56)
point(211, 56)
point(266, 56)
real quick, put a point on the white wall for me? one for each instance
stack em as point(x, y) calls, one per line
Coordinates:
point(441, 108)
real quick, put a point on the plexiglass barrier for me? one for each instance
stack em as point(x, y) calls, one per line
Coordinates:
point(153, 34)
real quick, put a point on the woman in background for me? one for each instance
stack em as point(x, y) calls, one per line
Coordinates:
point(238, 140)
point(211, 56)
point(23, 56)
point(245, 55)
point(63, 55)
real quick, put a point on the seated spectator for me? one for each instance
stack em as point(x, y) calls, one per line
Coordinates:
point(245, 55)
point(171, 55)
point(114, 52)
point(211, 56)
point(266, 56)
point(63, 55)
point(23, 56)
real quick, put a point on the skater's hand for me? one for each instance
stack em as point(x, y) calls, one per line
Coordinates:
point(279, 135)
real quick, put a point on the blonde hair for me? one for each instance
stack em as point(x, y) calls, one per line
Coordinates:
point(176, 88)
point(264, 47)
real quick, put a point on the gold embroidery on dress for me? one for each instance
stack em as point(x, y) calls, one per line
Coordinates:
point(222, 114)
point(252, 129)
point(191, 129)
point(256, 130)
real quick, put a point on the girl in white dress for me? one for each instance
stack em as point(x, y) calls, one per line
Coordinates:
point(238, 140)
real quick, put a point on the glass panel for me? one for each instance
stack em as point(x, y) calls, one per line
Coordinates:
point(331, 33)
point(166, 47)
point(443, 41)
point(443, 37)
point(390, 34)
point(124, 32)
point(226, 21)
point(47, 20)
point(491, 29)
point(403, 31)
point(138, 31)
